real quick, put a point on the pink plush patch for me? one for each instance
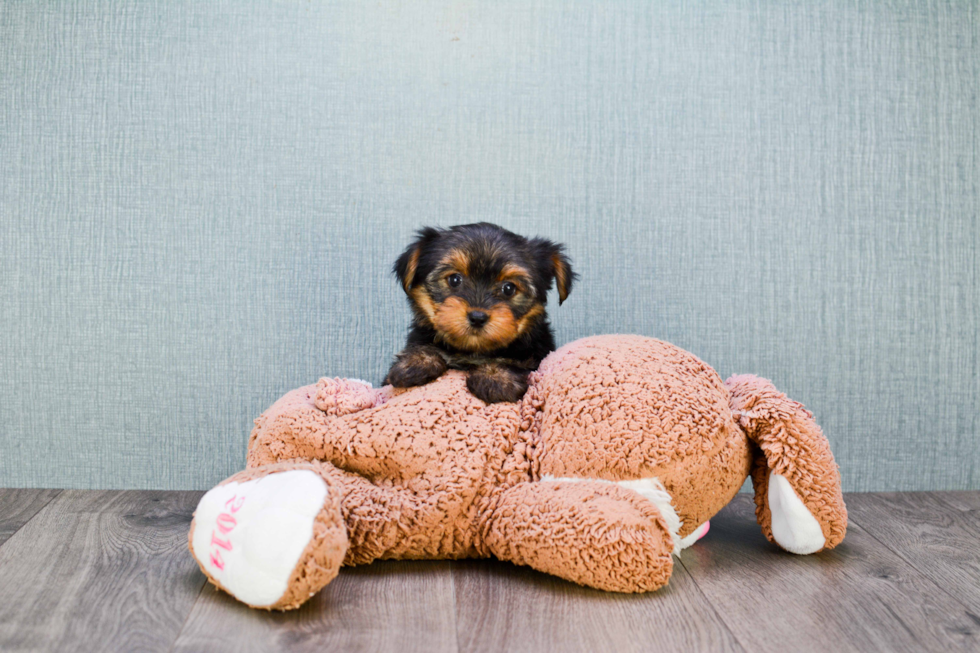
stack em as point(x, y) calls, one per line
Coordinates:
point(344, 396)
point(707, 527)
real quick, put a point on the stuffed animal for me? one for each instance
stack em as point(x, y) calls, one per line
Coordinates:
point(616, 458)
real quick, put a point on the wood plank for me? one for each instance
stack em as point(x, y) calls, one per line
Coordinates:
point(936, 538)
point(503, 607)
point(386, 606)
point(17, 506)
point(859, 597)
point(99, 570)
point(964, 501)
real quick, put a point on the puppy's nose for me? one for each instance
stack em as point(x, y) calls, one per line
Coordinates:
point(477, 318)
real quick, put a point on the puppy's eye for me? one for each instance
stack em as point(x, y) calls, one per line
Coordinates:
point(508, 289)
point(455, 279)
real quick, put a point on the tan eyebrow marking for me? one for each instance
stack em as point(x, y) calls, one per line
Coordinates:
point(512, 271)
point(458, 260)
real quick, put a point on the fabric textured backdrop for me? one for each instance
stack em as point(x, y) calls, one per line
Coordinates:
point(200, 202)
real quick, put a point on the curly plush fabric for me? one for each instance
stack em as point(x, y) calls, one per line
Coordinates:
point(622, 447)
point(794, 447)
point(621, 407)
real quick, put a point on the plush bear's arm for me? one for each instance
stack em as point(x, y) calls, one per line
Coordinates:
point(326, 422)
point(292, 428)
point(379, 433)
point(593, 533)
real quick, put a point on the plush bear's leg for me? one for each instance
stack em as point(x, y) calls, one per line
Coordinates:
point(376, 516)
point(593, 533)
point(271, 536)
point(797, 484)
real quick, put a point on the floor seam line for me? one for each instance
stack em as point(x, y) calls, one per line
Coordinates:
point(37, 512)
point(907, 561)
point(187, 618)
point(938, 495)
point(711, 604)
point(452, 578)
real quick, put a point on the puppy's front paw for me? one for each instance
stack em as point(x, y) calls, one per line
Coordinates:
point(496, 383)
point(416, 366)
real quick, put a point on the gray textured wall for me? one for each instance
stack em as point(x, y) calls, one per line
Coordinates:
point(199, 203)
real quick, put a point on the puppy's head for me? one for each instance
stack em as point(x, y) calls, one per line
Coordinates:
point(479, 286)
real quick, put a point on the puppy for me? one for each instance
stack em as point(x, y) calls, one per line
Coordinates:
point(478, 293)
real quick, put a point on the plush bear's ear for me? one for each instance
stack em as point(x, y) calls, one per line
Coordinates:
point(555, 266)
point(407, 264)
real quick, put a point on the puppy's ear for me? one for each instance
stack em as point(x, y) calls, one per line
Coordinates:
point(407, 264)
point(555, 265)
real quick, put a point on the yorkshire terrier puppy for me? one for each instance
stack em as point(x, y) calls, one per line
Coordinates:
point(478, 293)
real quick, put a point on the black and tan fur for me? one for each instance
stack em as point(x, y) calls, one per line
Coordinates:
point(478, 293)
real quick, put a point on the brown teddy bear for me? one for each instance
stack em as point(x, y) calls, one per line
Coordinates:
point(616, 458)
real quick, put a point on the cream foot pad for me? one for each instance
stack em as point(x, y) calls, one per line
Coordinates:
point(250, 536)
point(793, 527)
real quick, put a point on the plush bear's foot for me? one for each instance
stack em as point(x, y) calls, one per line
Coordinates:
point(270, 536)
point(797, 485)
point(793, 526)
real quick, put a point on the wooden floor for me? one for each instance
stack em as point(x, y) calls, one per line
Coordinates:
point(89, 570)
